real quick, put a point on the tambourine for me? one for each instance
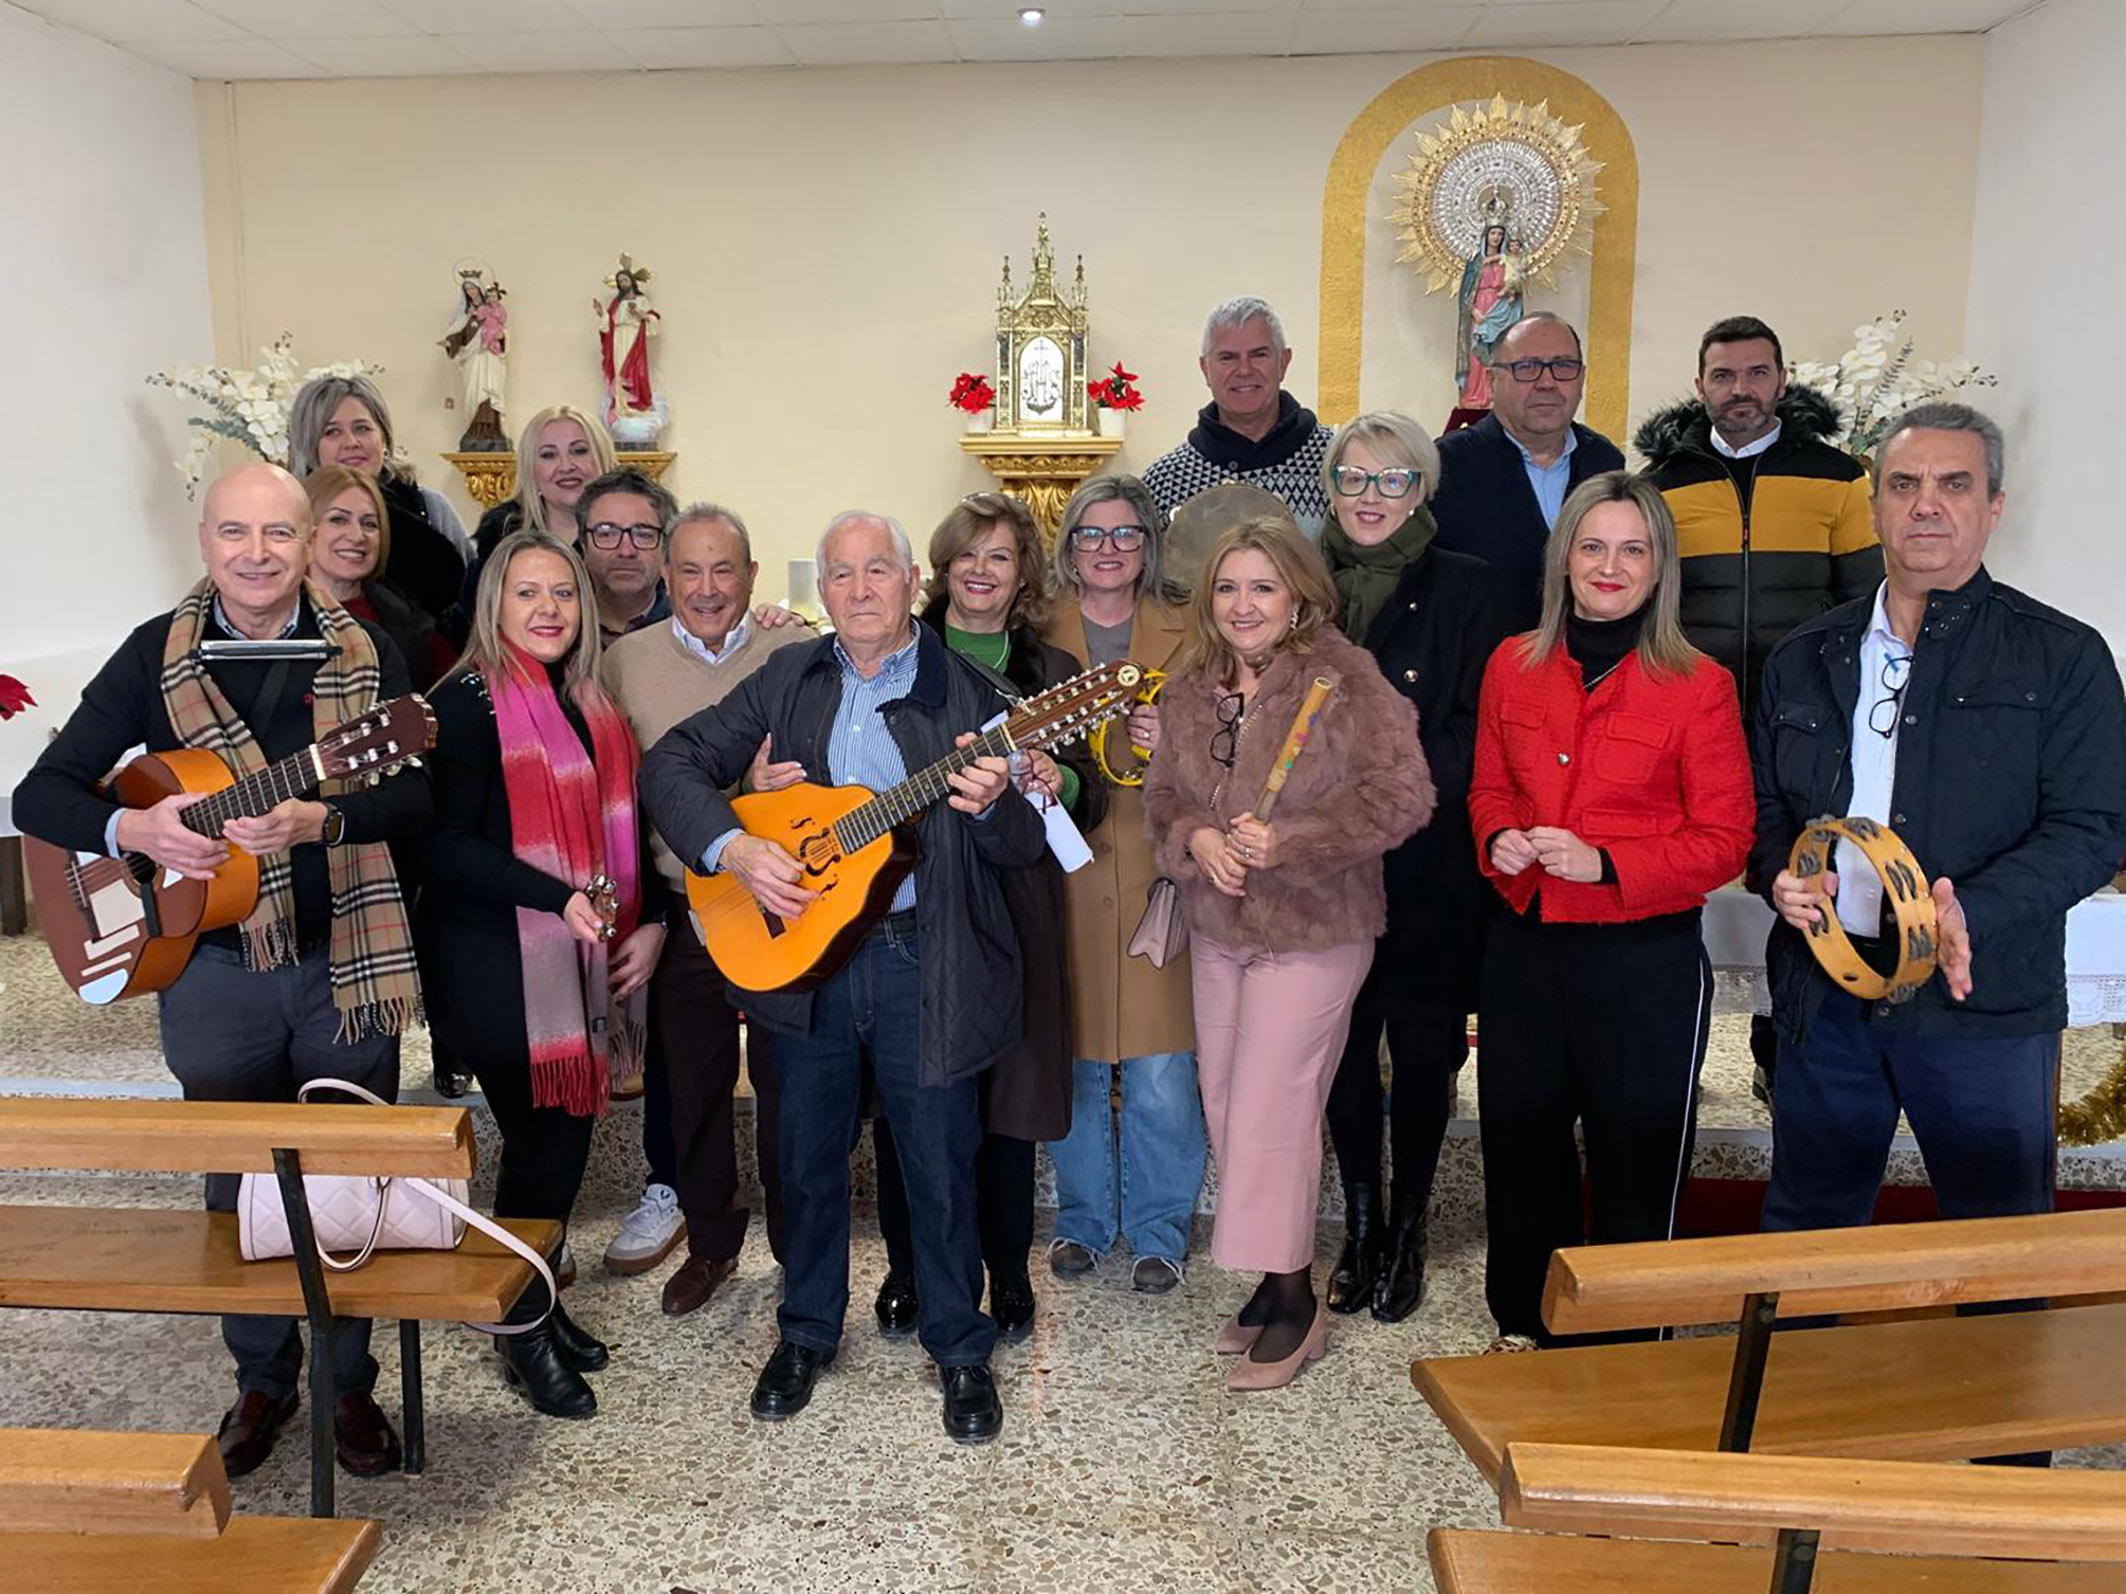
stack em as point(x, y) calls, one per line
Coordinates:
point(1147, 692)
point(1904, 887)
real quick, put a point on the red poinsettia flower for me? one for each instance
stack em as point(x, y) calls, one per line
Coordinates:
point(972, 393)
point(14, 697)
point(1116, 392)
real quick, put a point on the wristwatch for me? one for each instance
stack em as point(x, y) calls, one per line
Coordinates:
point(334, 830)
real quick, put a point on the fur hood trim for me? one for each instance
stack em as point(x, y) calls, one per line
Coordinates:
point(1805, 415)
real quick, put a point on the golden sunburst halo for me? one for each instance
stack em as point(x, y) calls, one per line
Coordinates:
point(1513, 161)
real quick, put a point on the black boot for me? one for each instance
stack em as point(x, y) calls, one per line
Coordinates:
point(532, 1362)
point(1351, 1285)
point(583, 1352)
point(1402, 1279)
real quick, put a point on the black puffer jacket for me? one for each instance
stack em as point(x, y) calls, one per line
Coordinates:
point(2011, 781)
point(971, 981)
point(1788, 541)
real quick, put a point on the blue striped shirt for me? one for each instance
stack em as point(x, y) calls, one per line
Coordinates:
point(860, 749)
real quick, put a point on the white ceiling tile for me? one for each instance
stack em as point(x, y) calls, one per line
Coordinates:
point(778, 13)
point(414, 56)
point(672, 49)
point(1549, 22)
point(869, 43)
point(953, 10)
point(1056, 39)
point(1240, 33)
point(615, 15)
point(1695, 21)
point(481, 16)
point(310, 19)
point(123, 21)
point(580, 51)
point(1923, 16)
point(217, 59)
point(1325, 32)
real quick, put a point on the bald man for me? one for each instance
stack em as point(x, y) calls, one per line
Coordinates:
point(298, 991)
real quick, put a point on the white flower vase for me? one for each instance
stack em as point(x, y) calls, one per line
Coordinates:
point(1112, 423)
point(982, 420)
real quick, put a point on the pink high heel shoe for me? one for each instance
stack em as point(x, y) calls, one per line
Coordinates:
point(1250, 1374)
point(1237, 1338)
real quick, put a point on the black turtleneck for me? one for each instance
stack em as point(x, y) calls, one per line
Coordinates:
point(1599, 646)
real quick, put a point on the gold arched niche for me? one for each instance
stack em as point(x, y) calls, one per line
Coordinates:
point(1616, 230)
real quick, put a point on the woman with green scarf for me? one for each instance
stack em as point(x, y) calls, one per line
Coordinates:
point(1431, 619)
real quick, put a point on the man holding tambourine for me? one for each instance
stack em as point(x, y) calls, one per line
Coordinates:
point(1974, 742)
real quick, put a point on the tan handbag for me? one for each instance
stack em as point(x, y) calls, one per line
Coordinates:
point(1162, 934)
point(364, 1214)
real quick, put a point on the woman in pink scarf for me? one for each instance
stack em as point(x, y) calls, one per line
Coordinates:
point(540, 923)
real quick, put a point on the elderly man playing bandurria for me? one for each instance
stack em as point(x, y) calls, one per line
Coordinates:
point(1252, 430)
point(1989, 733)
point(931, 996)
point(319, 981)
point(659, 675)
point(1503, 480)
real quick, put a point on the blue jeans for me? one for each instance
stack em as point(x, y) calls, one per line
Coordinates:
point(869, 1014)
point(1981, 1109)
point(1149, 1194)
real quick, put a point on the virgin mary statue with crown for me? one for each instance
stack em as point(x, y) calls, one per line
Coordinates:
point(1490, 299)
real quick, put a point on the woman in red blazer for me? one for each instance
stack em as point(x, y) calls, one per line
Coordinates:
point(1612, 792)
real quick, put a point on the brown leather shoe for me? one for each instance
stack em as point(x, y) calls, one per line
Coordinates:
point(689, 1289)
point(363, 1438)
point(246, 1435)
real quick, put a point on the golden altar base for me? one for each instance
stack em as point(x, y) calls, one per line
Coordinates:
point(490, 478)
point(1042, 468)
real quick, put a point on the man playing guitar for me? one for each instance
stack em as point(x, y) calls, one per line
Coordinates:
point(298, 991)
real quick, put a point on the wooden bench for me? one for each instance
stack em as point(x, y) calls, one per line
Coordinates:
point(109, 1511)
point(152, 1260)
point(1933, 1389)
point(1826, 1518)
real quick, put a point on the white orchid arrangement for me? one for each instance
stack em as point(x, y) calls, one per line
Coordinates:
point(247, 407)
point(1878, 379)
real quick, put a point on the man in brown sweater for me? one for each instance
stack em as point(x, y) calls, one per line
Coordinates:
point(659, 676)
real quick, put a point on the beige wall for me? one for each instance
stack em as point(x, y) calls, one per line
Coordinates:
point(826, 243)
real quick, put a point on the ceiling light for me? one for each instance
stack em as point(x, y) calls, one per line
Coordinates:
point(1031, 15)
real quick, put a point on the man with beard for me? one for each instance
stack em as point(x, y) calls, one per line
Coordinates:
point(1773, 524)
point(620, 521)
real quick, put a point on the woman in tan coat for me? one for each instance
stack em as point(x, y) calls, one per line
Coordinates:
point(1139, 1184)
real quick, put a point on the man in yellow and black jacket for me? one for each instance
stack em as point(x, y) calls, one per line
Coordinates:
point(1772, 522)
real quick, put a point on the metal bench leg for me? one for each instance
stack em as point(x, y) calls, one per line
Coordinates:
point(1794, 1561)
point(1753, 1346)
point(317, 1307)
point(411, 1417)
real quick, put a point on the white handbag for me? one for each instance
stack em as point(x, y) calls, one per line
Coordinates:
point(365, 1214)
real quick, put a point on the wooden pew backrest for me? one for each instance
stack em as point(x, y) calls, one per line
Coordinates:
point(67, 1481)
point(233, 1137)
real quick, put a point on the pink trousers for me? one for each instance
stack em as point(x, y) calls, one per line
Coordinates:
point(1270, 1030)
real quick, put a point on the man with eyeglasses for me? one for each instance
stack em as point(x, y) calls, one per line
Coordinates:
point(1503, 480)
point(1252, 430)
point(1772, 522)
point(620, 523)
point(1989, 733)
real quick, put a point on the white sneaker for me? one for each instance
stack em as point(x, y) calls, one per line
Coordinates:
point(649, 1234)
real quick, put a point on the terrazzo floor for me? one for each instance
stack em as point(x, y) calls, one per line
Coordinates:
point(1125, 1464)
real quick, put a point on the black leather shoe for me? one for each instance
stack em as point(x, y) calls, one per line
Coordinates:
point(248, 1430)
point(973, 1414)
point(1011, 1304)
point(533, 1362)
point(1402, 1280)
point(581, 1351)
point(897, 1306)
point(362, 1437)
point(784, 1387)
point(1357, 1272)
point(449, 1082)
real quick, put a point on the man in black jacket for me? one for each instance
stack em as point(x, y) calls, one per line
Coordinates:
point(1503, 479)
point(318, 980)
point(1989, 732)
point(932, 995)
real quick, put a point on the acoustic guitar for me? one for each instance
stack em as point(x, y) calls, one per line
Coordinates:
point(857, 845)
point(123, 926)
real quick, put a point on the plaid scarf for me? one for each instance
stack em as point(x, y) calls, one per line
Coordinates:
point(375, 985)
point(571, 816)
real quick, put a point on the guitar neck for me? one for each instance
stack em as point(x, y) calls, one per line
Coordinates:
point(898, 804)
point(297, 775)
